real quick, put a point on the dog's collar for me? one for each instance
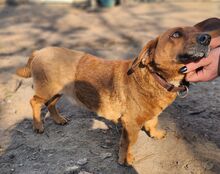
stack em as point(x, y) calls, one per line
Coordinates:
point(181, 90)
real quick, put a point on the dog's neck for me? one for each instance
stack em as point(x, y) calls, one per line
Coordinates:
point(170, 74)
point(150, 74)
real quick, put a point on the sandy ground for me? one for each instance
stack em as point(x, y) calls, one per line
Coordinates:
point(88, 143)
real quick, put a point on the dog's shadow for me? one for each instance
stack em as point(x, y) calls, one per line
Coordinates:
point(95, 141)
point(59, 148)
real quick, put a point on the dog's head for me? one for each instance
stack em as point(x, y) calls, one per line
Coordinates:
point(174, 48)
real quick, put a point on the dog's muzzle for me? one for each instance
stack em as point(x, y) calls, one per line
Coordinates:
point(196, 51)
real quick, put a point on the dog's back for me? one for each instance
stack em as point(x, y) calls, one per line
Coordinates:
point(51, 68)
point(95, 83)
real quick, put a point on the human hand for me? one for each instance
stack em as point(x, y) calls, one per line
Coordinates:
point(207, 68)
point(215, 42)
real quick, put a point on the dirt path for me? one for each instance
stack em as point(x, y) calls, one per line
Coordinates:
point(89, 143)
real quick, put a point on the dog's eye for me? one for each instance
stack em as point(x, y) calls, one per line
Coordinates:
point(176, 34)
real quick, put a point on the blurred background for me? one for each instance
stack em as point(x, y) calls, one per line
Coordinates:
point(112, 29)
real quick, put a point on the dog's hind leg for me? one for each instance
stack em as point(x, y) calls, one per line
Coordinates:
point(36, 104)
point(51, 105)
point(151, 127)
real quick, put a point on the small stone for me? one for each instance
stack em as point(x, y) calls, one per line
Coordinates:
point(104, 146)
point(214, 83)
point(84, 172)
point(34, 158)
point(108, 141)
point(11, 156)
point(106, 155)
point(71, 162)
point(72, 170)
point(12, 170)
point(99, 125)
point(20, 165)
point(104, 131)
point(59, 131)
point(49, 155)
point(82, 162)
point(74, 147)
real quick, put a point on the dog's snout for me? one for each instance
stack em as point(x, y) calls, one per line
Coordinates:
point(204, 39)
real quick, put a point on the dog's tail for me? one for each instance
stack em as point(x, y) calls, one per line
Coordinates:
point(26, 70)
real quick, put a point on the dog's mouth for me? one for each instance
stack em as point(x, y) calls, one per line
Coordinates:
point(193, 55)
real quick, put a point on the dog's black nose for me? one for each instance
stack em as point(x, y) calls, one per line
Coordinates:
point(204, 39)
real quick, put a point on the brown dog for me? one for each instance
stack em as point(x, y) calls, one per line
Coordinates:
point(133, 92)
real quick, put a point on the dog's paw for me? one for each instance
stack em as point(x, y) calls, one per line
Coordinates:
point(130, 159)
point(126, 161)
point(60, 120)
point(38, 128)
point(121, 161)
point(158, 134)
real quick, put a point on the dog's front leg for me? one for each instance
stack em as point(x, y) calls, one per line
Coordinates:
point(151, 127)
point(128, 138)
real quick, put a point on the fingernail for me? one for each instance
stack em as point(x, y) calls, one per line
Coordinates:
point(183, 69)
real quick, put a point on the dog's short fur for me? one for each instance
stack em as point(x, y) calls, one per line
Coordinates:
point(104, 86)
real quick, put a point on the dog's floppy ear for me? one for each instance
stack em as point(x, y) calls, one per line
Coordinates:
point(209, 24)
point(146, 55)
